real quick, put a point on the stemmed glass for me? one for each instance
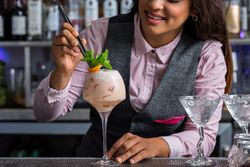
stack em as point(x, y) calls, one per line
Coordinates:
point(104, 90)
point(239, 107)
point(200, 109)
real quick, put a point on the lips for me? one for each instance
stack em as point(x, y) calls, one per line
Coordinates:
point(154, 18)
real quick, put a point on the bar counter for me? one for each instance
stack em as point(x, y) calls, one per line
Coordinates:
point(84, 162)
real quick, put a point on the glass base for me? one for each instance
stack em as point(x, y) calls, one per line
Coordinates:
point(103, 163)
point(199, 161)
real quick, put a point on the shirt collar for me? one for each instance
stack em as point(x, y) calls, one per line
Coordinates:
point(163, 52)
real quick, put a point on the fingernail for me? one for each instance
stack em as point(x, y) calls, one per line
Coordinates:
point(75, 33)
point(119, 160)
point(74, 43)
point(132, 161)
point(76, 49)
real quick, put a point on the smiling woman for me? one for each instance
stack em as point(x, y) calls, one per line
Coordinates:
point(161, 21)
point(163, 49)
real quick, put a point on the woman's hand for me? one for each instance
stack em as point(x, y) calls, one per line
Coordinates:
point(134, 148)
point(66, 56)
point(65, 51)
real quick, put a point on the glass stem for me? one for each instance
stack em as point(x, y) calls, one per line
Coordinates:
point(200, 152)
point(245, 128)
point(104, 116)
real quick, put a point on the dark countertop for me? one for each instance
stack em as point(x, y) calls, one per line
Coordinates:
point(84, 162)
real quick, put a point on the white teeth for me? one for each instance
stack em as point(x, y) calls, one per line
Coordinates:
point(154, 17)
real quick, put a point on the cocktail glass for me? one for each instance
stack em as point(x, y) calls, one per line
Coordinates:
point(239, 107)
point(200, 109)
point(104, 90)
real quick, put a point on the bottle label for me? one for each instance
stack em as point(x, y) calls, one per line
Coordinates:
point(126, 6)
point(1, 27)
point(244, 21)
point(18, 25)
point(74, 14)
point(53, 19)
point(91, 11)
point(110, 8)
point(233, 19)
point(35, 17)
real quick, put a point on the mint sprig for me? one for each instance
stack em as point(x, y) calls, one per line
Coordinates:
point(98, 59)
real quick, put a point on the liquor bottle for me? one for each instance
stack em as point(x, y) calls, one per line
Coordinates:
point(248, 16)
point(110, 8)
point(18, 21)
point(243, 19)
point(2, 20)
point(126, 6)
point(34, 19)
point(52, 20)
point(74, 14)
point(233, 17)
point(3, 87)
point(91, 11)
point(8, 5)
point(235, 86)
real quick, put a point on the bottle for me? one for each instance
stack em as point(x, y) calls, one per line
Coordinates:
point(3, 87)
point(243, 19)
point(52, 26)
point(233, 17)
point(110, 8)
point(34, 19)
point(91, 11)
point(8, 5)
point(126, 6)
point(2, 20)
point(18, 21)
point(248, 14)
point(235, 73)
point(74, 14)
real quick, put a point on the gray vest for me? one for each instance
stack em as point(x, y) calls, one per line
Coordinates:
point(178, 80)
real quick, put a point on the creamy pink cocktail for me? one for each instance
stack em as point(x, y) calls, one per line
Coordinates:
point(104, 89)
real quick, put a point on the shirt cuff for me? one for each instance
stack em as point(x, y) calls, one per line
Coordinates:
point(175, 146)
point(54, 95)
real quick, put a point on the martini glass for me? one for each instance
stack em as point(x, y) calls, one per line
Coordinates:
point(239, 107)
point(200, 109)
point(104, 90)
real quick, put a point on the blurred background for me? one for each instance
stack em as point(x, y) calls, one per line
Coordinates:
point(26, 30)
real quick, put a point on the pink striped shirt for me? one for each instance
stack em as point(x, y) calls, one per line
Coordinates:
point(147, 69)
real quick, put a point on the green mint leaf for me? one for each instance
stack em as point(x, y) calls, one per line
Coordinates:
point(107, 64)
point(98, 59)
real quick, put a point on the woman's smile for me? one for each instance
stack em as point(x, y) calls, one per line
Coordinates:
point(154, 19)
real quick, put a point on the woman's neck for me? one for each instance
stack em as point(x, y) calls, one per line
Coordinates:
point(158, 40)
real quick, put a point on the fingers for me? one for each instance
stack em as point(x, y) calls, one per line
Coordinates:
point(143, 154)
point(67, 36)
point(60, 40)
point(84, 42)
point(128, 145)
point(117, 145)
point(70, 37)
point(70, 28)
point(135, 150)
point(68, 51)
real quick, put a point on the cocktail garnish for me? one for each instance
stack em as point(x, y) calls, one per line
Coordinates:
point(95, 63)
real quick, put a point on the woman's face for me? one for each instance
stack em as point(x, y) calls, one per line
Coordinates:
point(163, 18)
